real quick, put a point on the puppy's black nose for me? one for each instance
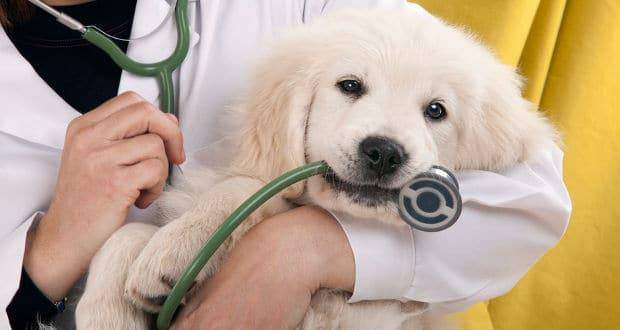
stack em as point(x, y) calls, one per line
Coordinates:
point(381, 156)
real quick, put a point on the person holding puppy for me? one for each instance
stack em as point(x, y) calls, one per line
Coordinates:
point(81, 161)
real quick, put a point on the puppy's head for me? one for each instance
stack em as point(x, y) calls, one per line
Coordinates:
point(382, 96)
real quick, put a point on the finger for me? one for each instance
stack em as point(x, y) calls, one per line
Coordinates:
point(136, 149)
point(111, 106)
point(143, 118)
point(131, 151)
point(148, 176)
point(173, 118)
point(147, 197)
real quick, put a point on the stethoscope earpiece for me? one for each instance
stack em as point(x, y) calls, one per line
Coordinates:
point(431, 201)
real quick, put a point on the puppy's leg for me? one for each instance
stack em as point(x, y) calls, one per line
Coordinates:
point(173, 247)
point(102, 306)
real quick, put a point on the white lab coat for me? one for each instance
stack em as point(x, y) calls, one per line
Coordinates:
point(509, 219)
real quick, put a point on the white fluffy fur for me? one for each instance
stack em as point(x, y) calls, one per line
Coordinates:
point(294, 114)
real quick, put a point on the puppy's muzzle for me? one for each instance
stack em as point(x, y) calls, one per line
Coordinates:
point(381, 157)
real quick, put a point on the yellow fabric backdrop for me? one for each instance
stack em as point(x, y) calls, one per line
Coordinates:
point(570, 53)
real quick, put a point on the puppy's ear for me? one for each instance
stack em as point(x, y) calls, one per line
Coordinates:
point(273, 118)
point(505, 128)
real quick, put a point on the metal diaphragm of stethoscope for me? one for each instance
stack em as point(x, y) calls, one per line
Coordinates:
point(428, 202)
point(431, 201)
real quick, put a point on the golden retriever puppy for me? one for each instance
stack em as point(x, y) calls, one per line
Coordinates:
point(380, 96)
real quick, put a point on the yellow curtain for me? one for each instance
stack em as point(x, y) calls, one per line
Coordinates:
point(569, 50)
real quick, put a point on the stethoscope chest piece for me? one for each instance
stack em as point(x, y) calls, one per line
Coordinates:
point(431, 201)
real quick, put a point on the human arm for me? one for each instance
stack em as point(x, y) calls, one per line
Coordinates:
point(270, 275)
point(509, 221)
point(111, 160)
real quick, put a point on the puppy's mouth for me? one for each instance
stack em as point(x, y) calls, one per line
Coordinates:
point(371, 195)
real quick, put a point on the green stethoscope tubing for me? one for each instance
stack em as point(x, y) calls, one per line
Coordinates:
point(225, 229)
point(161, 70)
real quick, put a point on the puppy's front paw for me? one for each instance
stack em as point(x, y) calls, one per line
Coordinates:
point(158, 267)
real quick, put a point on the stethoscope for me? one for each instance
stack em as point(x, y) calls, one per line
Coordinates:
point(428, 202)
point(161, 70)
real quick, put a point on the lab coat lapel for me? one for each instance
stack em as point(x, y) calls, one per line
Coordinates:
point(149, 14)
point(32, 111)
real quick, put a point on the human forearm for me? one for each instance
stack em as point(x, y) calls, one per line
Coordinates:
point(284, 259)
point(57, 255)
point(309, 243)
point(329, 247)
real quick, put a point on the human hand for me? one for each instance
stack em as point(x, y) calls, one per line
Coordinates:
point(114, 156)
point(270, 276)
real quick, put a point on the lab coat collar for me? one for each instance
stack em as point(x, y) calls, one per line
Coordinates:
point(32, 111)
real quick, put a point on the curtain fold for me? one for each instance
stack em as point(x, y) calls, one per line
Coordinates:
point(537, 54)
point(569, 52)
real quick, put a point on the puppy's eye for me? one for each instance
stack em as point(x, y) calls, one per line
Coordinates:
point(435, 111)
point(351, 87)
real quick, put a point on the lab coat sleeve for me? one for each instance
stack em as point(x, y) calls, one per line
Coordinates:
point(11, 253)
point(509, 220)
point(28, 175)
